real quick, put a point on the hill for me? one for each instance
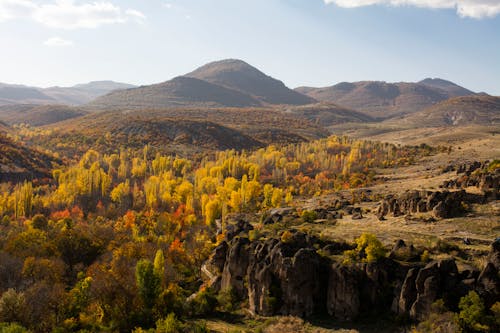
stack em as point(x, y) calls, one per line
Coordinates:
point(112, 130)
point(38, 115)
point(238, 75)
point(180, 91)
point(183, 131)
point(15, 94)
point(18, 162)
point(76, 95)
point(465, 110)
point(327, 114)
point(384, 100)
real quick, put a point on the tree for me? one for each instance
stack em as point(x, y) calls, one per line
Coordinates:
point(148, 282)
point(159, 266)
point(472, 313)
point(12, 306)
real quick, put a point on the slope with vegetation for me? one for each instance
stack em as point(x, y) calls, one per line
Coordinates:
point(38, 115)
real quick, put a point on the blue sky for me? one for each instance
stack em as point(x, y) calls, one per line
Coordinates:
point(302, 42)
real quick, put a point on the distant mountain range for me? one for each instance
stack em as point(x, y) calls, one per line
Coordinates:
point(384, 100)
point(76, 95)
point(234, 84)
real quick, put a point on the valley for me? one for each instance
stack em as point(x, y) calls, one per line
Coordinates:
point(224, 201)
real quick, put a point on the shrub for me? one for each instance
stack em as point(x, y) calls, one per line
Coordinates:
point(203, 303)
point(12, 328)
point(308, 216)
point(369, 249)
point(425, 257)
point(39, 221)
point(440, 320)
point(169, 325)
point(227, 299)
point(472, 313)
point(286, 236)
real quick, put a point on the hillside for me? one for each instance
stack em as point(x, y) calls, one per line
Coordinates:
point(327, 114)
point(180, 91)
point(38, 115)
point(76, 95)
point(467, 110)
point(239, 75)
point(18, 162)
point(112, 130)
point(384, 100)
point(16, 94)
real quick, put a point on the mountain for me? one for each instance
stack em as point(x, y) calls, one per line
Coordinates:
point(238, 75)
point(99, 88)
point(15, 94)
point(38, 115)
point(464, 110)
point(384, 100)
point(453, 90)
point(327, 114)
point(180, 91)
point(76, 95)
point(226, 83)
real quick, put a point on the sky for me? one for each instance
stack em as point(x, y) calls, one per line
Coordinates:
point(301, 42)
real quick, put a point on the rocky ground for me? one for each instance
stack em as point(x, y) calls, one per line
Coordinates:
point(446, 205)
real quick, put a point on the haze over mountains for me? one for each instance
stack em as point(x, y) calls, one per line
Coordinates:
point(77, 95)
point(230, 89)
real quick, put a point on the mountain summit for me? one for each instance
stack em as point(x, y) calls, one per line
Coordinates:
point(239, 75)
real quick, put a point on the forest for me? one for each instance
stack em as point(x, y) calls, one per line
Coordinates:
point(116, 242)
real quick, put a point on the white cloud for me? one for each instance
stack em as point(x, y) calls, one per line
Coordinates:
point(465, 8)
point(10, 9)
point(57, 41)
point(138, 16)
point(67, 14)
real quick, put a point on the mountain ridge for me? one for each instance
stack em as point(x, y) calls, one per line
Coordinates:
point(384, 100)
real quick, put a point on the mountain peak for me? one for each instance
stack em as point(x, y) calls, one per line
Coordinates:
point(238, 75)
point(451, 88)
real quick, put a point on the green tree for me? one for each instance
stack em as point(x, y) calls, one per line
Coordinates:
point(148, 282)
point(472, 313)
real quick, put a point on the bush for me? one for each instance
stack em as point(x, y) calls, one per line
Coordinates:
point(169, 325)
point(286, 236)
point(472, 313)
point(425, 257)
point(369, 249)
point(12, 328)
point(440, 320)
point(204, 303)
point(227, 299)
point(308, 216)
point(39, 221)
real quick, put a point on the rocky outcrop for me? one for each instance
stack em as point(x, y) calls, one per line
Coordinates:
point(488, 282)
point(477, 175)
point(288, 276)
point(442, 204)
